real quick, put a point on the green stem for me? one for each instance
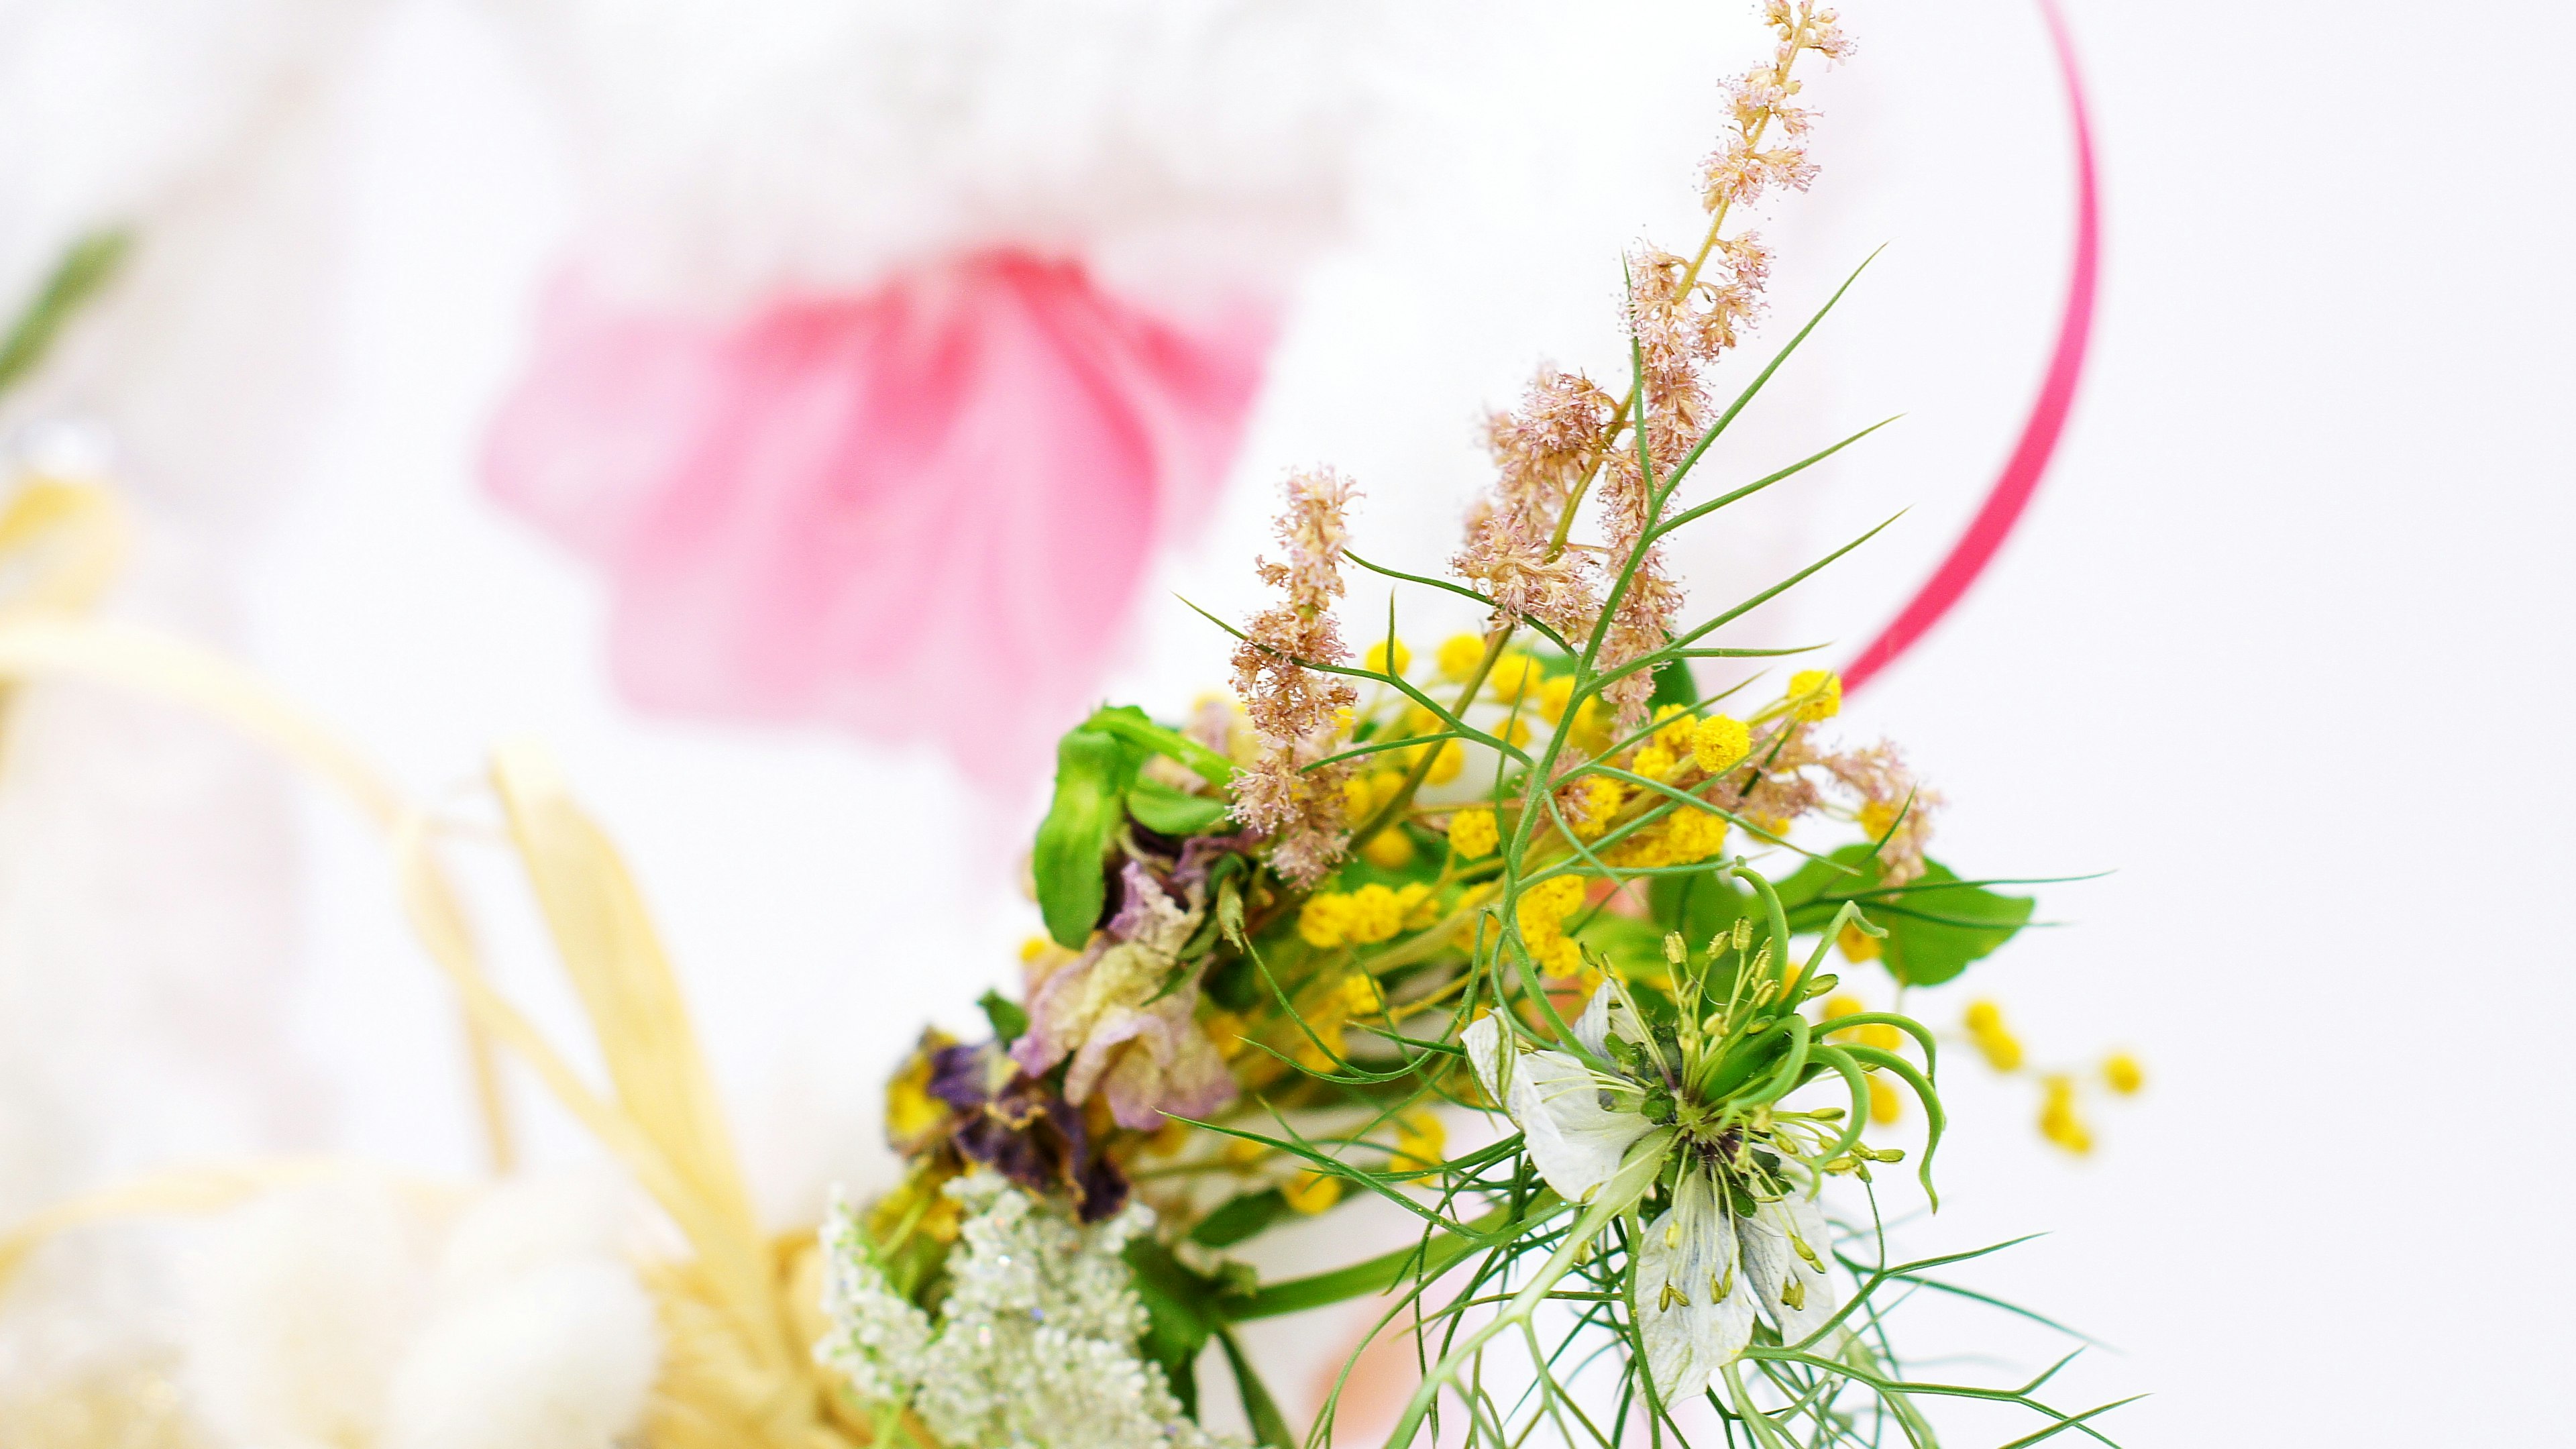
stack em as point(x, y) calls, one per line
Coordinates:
point(1632, 1181)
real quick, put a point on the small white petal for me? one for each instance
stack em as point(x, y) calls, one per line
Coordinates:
point(1592, 1028)
point(1604, 1016)
point(1576, 1142)
point(1779, 1273)
point(1706, 1317)
point(1489, 1052)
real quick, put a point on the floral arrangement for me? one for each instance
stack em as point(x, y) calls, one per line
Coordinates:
point(1532, 886)
point(1534, 872)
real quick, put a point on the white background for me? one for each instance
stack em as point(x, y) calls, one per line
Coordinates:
point(2282, 642)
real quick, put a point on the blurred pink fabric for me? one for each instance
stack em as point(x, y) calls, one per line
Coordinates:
point(919, 515)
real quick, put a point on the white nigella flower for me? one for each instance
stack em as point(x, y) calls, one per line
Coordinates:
point(1742, 1235)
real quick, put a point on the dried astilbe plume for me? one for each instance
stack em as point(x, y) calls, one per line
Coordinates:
point(1683, 313)
point(1894, 805)
point(1543, 455)
point(1294, 709)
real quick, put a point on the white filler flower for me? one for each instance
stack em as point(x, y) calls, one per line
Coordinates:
point(1034, 1346)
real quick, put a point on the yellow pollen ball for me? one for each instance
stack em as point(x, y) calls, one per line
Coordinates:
point(1642, 851)
point(1459, 655)
point(1375, 914)
point(1718, 742)
point(2002, 1049)
point(1359, 996)
point(1421, 1144)
point(1590, 731)
point(1818, 694)
point(1601, 798)
point(1389, 849)
point(1885, 1106)
point(1514, 731)
point(1673, 728)
point(1550, 901)
point(1032, 948)
point(1243, 1151)
point(1376, 658)
point(2058, 1122)
point(1226, 1030)
point(2121, 1072)
point(1654, 762)
point(1383, 785)
point(1561, 956)
point(1512, 676)
point(1473, 834)
point(1325, 922)
point(1694, 835)
point(1842, 1004)
point(1357, 798)
point(1446, 765)
point(1322, 1051)
point(1342, 718)
point(1984, 1016)
point(1420, 907)
point(1857, 945)
point(1311, 1192)
point(1554, 695)
point(1876, 819)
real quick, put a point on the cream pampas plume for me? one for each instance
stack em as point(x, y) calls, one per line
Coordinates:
point(542, 1338)
point(351, 1311)
point(195, 126)
point(300, 1308)
point(561, 1358)
point(737, 1372)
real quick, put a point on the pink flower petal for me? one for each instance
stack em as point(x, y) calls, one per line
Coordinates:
point(922, 514)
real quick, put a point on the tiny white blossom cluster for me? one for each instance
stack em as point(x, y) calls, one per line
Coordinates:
point(1034, 1346)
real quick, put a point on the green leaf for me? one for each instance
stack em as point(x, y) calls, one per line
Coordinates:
point(1818, 886)
point(84, 268)
point(1698, 906)
point(1166, 811)
point(1937, 925)
point(1229, 904)
point(1093, 769)
point(1130, 725)
point(1240, 1218)
point(1009, 1020)
point(1233, 983)
point(1269, 1426)
point(1179, 1312)
point(1636, 947)
point(1674, 686)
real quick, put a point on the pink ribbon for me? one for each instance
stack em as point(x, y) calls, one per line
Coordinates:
point(2013, 488)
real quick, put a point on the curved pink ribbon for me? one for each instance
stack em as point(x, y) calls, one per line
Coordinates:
point(2013, 488)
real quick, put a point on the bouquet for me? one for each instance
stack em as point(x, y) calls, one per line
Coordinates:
point(1535, 874)
point(1535, 886)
